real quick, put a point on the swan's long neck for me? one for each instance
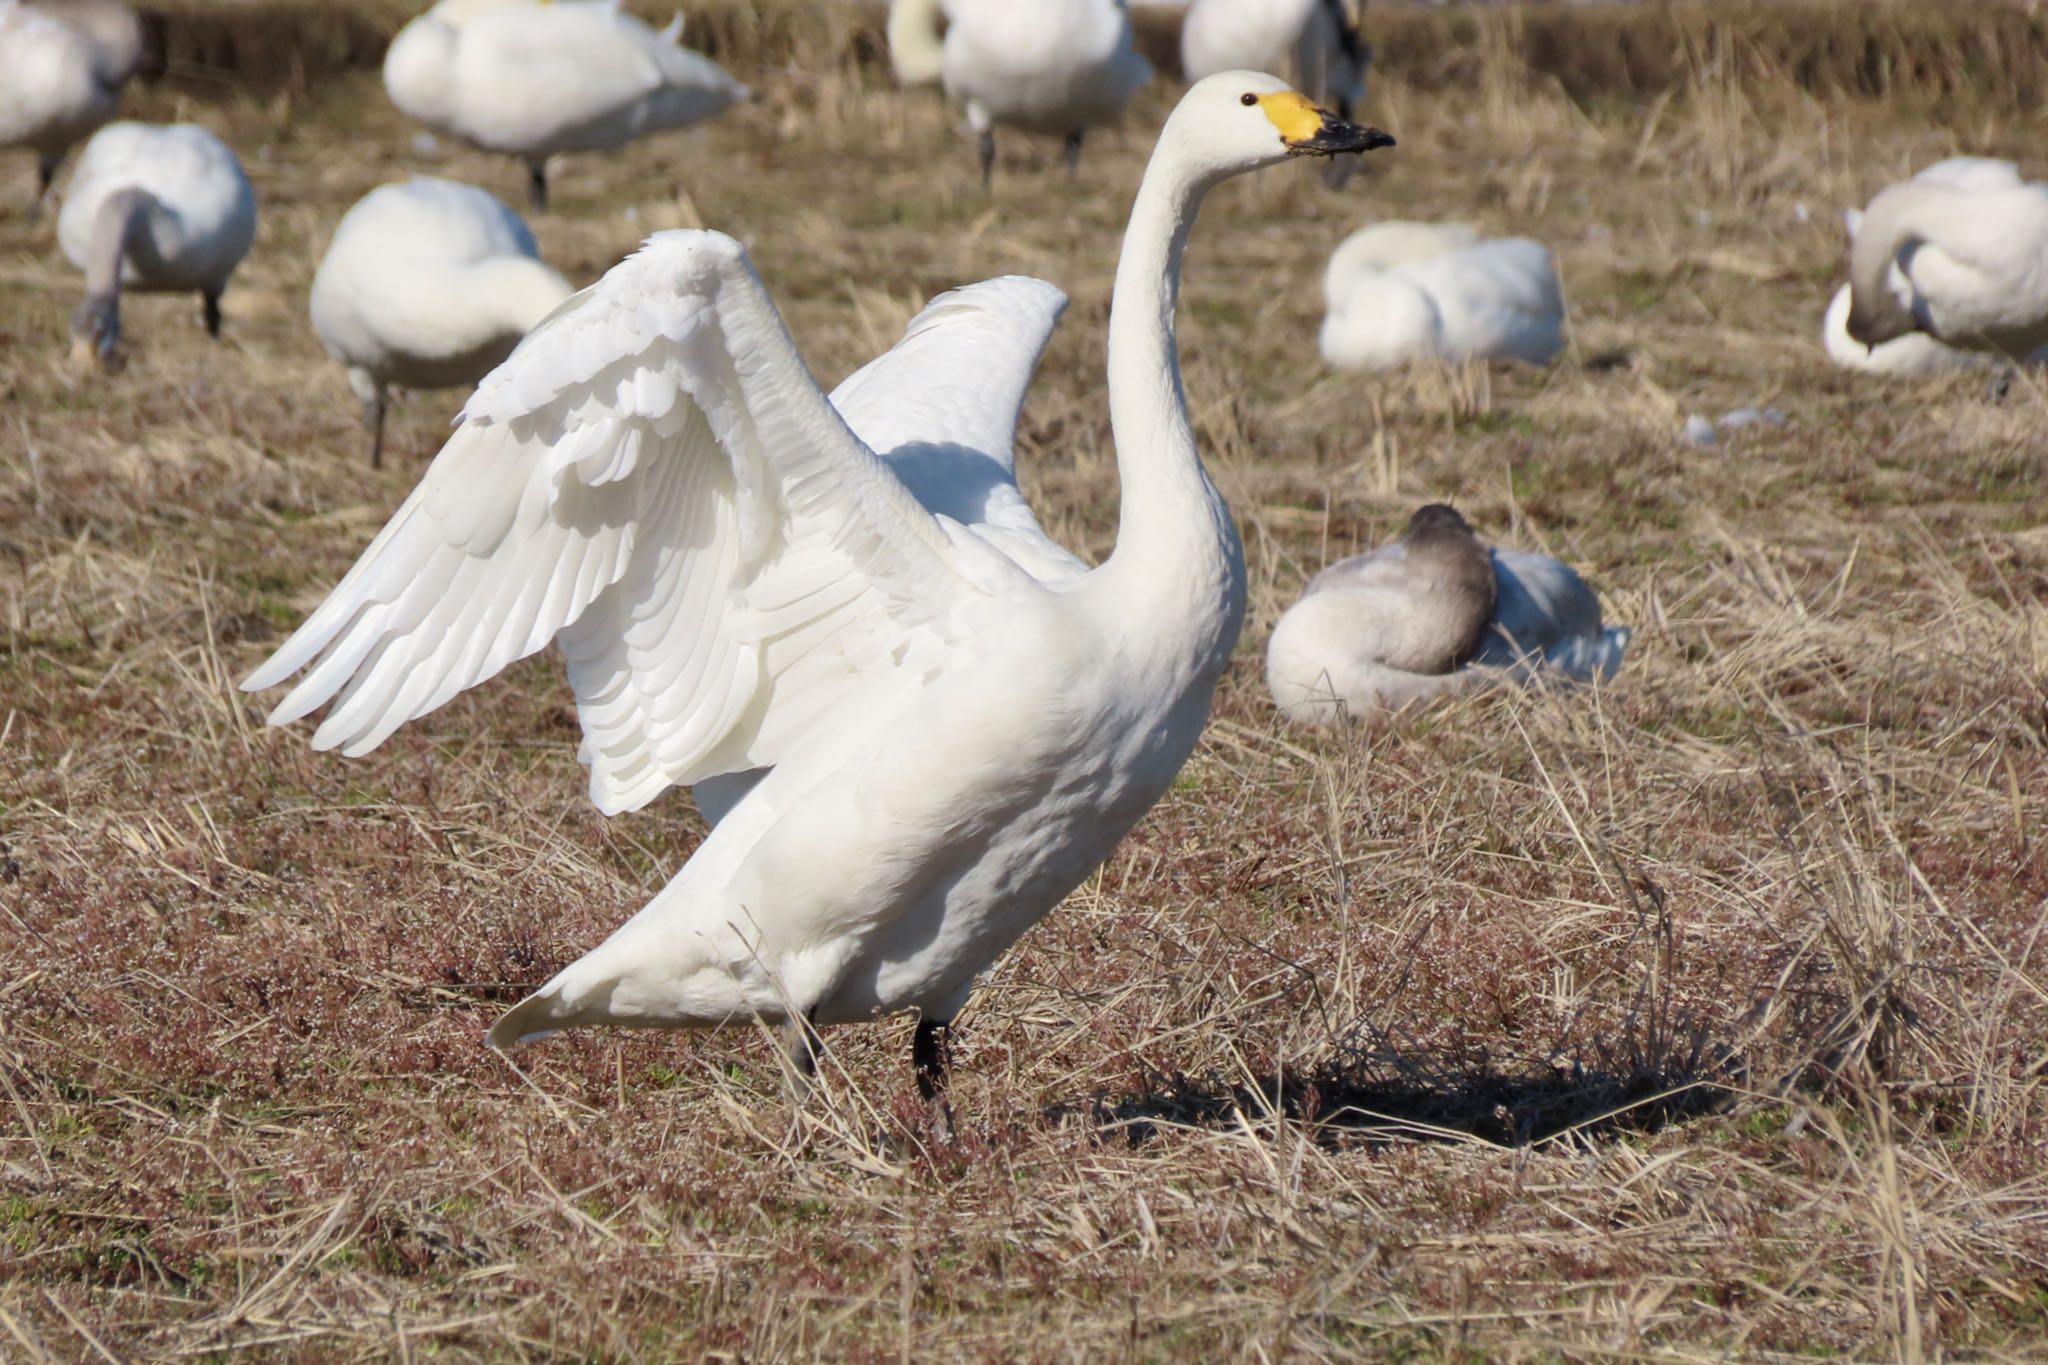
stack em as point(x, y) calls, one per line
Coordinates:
point(1177, 547)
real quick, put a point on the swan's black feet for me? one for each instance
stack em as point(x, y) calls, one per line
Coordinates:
point(209, 313)
point(931, 1059)
point(802, 1045)
point(537, 185)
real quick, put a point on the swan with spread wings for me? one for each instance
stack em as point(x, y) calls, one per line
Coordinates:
point(915, 720)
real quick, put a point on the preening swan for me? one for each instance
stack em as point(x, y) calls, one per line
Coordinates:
point(62, 66)
point(535, 79)
point(428, 284)
point(1055, 67)
point(1915, 353)
point(1433, 613)
point(158, 208)
point(1401, 292)
point(1956, 252)
point(957, 719)
point(1321, 37)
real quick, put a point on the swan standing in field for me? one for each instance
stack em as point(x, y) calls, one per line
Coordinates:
point(1054, 67)
point(917, 721)
point(1321, 37)
point(162, 208)
point(1434, 613)
point(1960, 253)
point(536, 79)
point(62, 67)
point(429, 285)
point(1400, 292)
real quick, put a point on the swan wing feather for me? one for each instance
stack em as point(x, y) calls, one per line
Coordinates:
point(654, 479)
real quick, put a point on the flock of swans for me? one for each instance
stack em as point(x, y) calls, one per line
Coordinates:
point(912, 719)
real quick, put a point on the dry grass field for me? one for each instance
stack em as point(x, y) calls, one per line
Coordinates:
point(1698, 1015)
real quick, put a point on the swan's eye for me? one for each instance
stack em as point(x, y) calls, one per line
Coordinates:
point(1247, 99)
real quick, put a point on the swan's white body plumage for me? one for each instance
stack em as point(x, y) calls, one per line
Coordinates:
point(429, 284)
point(957, 719)
point(536, 79)
point(1960, 253)
point(1056, 67)
point(61, 72)
point(1400, 292)
point(198, 221)
point(1327, 660)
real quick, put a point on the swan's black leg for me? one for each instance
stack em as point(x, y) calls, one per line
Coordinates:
point(46, 171)
point(209, 308)
point(931, 1056)
point(537, 184)
point(802, 1045)
point(373, 418)
point(988, 158)
point(1073, 155)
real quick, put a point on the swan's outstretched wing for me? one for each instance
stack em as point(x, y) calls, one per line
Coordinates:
point(941, 406)
point(655, 479)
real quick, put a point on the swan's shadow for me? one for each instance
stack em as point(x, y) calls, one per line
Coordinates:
point(1382, 1097)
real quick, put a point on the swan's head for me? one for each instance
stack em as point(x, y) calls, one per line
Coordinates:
point(1238, 121)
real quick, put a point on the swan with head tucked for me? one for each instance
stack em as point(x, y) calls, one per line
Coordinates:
point(1960, 253)
point(916, 721)
point(63, 64)
point(1432, 614)
point(533, 79)
point(428, 285)
point(1053, 67)
point(1400, 292)
point(162, 208)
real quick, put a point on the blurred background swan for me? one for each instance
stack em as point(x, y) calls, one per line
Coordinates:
point(63, 64)
point(534, 79)
point(1398, 292)
point(158, 208)
point(1321, 38)
point(1434, 612)
point(1058, 68)
point(427, 284)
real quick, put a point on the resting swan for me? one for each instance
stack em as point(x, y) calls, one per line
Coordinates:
point(428, 284)
point(918, 722)
point(153, 207)
point(1434, 613)
point(1400, 292)
point(533, 79)
point(62, 67)
point(1054, 67)
point(1957, 253)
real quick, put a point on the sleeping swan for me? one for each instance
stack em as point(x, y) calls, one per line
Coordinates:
point(1402, 292)
point(1957, 253)
point(160, 208)
point(926, 721)
point(427, 285)
point(533, 79)
point(1434, 613)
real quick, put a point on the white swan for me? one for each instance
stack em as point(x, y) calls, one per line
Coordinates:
point(1400, 292)
point(1321, 37)
point(428, 284)
point(1054, 67)
point(1956, 252)
point(62, 67)
point(533, 79)
point(153, 207)
point(1434, 613)
point(958, 719)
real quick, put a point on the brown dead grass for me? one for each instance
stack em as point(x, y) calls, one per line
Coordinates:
point(1694, 1016)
